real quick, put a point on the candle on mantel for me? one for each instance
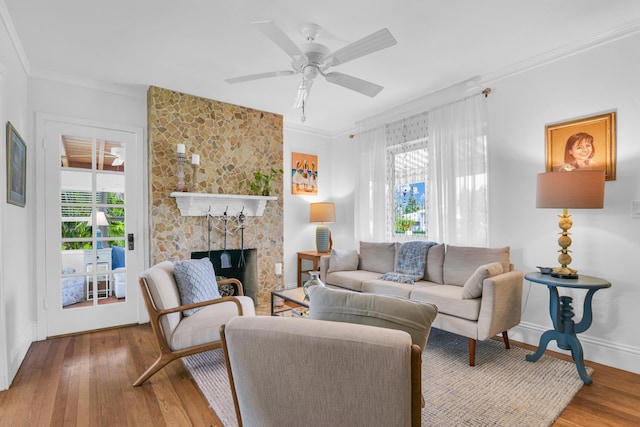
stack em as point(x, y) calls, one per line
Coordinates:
point(195, 159)
point(181, 149)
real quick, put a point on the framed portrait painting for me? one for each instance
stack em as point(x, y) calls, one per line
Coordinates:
point(16, 167)
point(304, 174)
point(585, 143)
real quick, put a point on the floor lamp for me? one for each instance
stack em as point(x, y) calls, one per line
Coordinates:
point(569, 190)
point(323, 212)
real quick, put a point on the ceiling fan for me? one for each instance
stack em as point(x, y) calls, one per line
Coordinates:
point(118, 156)
point(311, 59)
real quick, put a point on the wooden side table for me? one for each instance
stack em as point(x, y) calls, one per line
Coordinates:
point(312, 256)
point(564, 328)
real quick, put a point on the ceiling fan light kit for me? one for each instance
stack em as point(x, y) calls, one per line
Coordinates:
point(311, 59)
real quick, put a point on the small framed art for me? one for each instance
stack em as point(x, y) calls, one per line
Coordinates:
point(16, 167)
point(584, 143)
point(304, 174)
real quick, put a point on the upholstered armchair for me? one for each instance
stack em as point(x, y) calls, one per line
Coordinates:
point(177, 334)
point(321, 373)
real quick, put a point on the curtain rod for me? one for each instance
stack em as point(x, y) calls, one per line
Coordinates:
point(486, 91)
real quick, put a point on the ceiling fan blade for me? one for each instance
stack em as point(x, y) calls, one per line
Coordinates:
point(117, 162)
point(372, 43)
point(271, 30)
point(302, 95)
point(259, 76)
point(354, 83)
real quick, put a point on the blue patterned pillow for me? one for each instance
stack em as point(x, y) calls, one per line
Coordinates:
point(196, 282)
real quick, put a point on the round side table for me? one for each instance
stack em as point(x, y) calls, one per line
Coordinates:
point(564, 328)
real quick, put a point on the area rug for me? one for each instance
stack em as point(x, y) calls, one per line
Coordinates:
point(503, 389)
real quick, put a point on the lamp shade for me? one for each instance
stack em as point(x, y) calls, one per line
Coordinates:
point(322, 212)
point(571, 190)
point(101, 219)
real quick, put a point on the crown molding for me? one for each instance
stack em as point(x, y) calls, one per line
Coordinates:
point(13, 36)
point(305, 129)
point(134, 91)
point(619, 33)
point(459, 89)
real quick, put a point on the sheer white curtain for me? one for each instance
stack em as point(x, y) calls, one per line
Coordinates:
point(370, 196)
point(457, 197)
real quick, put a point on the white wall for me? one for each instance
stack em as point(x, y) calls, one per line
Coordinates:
point(299, 234)
point(606, 242)
point(17, 303)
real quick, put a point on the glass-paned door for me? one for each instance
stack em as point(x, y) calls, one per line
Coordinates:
point(91, 211)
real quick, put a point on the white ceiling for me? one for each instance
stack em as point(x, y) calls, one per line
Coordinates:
point(193, 45)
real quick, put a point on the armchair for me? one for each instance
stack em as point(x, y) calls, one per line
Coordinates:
point(321, 373)
point(177, 335)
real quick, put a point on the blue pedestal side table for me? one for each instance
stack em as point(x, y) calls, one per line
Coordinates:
point(564, 328)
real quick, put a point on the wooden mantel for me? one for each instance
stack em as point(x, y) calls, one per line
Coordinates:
point(198, 204)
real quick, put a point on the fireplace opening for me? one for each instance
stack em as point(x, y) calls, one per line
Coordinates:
point(246, 272)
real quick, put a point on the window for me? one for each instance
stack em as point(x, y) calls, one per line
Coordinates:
point(407, 207)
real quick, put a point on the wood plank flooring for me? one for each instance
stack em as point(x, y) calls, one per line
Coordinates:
point(85, 380)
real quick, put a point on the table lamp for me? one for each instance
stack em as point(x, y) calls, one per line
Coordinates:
point(323, 212)
point(101, 220)
point(569, 190)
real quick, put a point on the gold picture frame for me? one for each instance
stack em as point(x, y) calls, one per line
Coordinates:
point(593, 136)
point(16, 167)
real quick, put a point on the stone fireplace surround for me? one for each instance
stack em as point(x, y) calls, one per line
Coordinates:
point(233, 143)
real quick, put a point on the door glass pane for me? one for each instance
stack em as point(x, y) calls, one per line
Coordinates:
point(92, 194)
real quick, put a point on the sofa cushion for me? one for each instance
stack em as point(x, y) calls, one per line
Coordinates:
point(461, 262)
point(374, 310)
point(449, 300)
point(378, 257)
point(343, 260)
point(386, 287)
point(350, 279)
point(473, 287)
point(435, 261)
point(196, 282)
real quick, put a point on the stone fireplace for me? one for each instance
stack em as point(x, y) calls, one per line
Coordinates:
point(233, 143)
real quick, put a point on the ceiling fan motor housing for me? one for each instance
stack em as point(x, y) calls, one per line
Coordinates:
point(315, 54)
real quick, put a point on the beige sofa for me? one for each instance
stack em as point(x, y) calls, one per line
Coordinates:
point(476, 290)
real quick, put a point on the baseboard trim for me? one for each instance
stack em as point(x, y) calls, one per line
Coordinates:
point(616, 355)
point(19, 352)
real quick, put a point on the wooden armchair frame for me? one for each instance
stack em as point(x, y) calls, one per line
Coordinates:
point(166, 354)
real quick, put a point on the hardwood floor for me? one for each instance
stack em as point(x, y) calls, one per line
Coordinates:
point(86, 380)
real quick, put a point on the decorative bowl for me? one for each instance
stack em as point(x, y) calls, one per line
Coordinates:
point(544, 270)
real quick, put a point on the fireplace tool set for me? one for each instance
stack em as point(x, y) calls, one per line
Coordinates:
point(225, 258)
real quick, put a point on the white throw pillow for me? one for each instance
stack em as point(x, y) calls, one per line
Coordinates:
point(343, 260)
point(473, 287)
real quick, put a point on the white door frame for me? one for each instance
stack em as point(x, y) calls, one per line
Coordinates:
point(141, 240)
point(4, 351)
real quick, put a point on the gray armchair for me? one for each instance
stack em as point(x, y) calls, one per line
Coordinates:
point(286, 371)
